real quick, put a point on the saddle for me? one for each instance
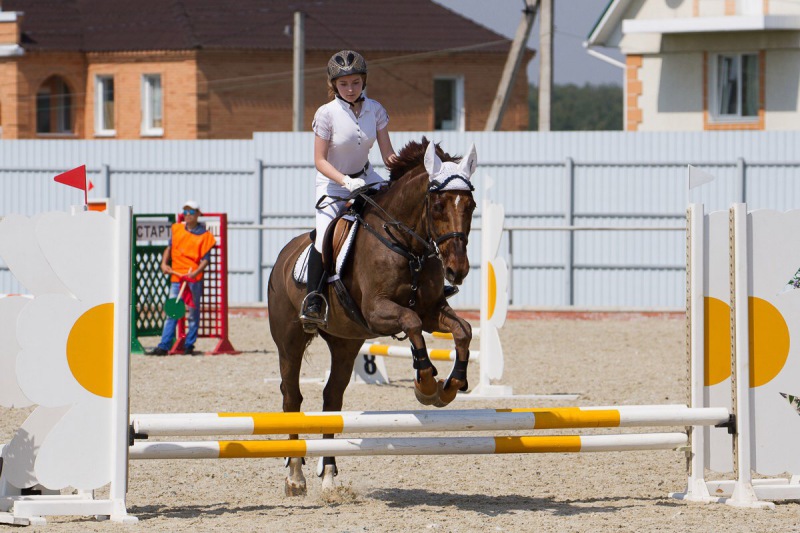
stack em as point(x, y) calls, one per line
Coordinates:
point(337, 247)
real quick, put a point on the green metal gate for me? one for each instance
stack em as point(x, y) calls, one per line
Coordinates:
point(149, 286)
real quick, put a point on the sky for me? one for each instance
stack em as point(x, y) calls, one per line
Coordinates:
point(573, 20)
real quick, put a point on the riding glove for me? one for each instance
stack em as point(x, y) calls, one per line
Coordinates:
point(352, 184)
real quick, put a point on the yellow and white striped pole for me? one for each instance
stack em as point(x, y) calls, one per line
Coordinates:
point(406, 446)
point(204, 424)
point(388, 350)
point(476, 332)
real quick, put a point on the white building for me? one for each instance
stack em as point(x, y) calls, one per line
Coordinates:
point(706, 64)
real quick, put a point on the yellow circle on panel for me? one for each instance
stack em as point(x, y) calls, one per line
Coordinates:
point(717, 341)
point(90, 348)
point(769, 341)
point(492, 290)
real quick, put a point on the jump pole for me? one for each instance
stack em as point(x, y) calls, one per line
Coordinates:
point(406, 446)
point(404, 352)
point(205, 424)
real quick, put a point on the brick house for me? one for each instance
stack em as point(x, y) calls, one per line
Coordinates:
point(695, 65)
point(214, 69)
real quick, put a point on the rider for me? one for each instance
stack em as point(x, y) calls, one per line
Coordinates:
point(345, 130)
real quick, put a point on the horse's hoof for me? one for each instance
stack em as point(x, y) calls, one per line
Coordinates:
point(445, 395)
point(328, 474)
point(425, 399)
point(293, 488)
point(426, 384)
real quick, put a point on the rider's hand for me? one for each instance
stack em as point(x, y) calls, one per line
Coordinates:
point(351, 184)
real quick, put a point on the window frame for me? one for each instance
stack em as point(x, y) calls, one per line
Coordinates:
point(714, 89)
point(99, 106)
point(147, 128)
point(458, 104)
point(54, 104)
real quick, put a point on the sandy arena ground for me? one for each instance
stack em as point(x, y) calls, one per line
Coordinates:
point(608, 361)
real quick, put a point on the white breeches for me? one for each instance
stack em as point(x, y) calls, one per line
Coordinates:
point(331, 211)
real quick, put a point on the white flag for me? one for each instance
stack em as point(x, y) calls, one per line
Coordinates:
point(697, 177)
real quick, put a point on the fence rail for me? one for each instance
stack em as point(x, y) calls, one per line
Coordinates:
point(592, 218)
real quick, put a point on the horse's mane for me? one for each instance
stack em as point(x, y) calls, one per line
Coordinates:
point(411, 156)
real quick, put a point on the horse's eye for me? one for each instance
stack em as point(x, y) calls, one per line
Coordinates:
point(437, 208)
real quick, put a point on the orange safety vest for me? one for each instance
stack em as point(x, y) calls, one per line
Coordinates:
point(188, 250)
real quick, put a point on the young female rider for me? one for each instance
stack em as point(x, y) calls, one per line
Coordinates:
point(345, 129)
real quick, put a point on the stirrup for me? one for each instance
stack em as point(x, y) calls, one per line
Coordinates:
point(311, 323)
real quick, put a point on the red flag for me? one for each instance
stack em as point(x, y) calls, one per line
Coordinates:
point(187, 296)
point(74, 178)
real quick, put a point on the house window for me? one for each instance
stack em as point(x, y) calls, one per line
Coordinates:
point(53, 107)
point(104, 105)
point(735, 87)
point(448, 103)
point(152, 106)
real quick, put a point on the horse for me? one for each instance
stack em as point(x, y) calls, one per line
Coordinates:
point(412, 234)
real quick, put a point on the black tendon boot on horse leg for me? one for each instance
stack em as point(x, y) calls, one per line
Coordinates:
point(314, 312)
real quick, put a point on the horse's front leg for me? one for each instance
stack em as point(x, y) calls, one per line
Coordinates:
point(291, 346)
point(295, 484)
point(385, 316)
point(343, 357)
point(448, 320)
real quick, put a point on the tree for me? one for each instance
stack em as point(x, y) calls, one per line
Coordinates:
point(587, 108)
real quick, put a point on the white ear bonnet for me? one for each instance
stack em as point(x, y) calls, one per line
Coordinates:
point(449, 176)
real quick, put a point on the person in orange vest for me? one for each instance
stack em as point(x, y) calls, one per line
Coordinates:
point(185, 258)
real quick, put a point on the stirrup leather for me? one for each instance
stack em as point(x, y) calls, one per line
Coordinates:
point(308, 319)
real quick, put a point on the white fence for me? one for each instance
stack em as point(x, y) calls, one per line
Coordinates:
point(558, 180)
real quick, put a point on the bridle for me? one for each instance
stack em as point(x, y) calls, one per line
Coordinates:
point(438, 187)
point(430, 245)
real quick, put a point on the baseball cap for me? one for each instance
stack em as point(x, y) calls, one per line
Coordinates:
point(191, 204)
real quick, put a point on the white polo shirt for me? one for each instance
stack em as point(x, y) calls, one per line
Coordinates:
point(351, 137)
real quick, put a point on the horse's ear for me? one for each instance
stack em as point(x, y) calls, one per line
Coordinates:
point(469, 163)
point(432, 162)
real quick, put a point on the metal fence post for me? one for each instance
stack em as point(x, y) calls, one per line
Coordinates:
point(259, 218)
point(511, 267)
point(741, 180)
point(569, 236)
point(105, 173)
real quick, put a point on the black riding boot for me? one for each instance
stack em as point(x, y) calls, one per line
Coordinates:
point(313, 312)
point(450, 290)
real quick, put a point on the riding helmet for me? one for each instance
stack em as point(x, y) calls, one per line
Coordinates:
point(344, 63)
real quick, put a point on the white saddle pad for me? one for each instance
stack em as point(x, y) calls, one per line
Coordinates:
point(301, 265)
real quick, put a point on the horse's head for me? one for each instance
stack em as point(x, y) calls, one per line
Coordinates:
point(449, 209)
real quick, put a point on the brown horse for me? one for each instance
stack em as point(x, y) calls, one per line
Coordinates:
point(413, 235)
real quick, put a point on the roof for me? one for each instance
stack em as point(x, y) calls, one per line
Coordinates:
point(124, 25)
point(607, 23)
point(613, 19)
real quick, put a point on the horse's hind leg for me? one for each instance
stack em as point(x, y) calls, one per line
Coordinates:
point(291, 347)
point(343, 357)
